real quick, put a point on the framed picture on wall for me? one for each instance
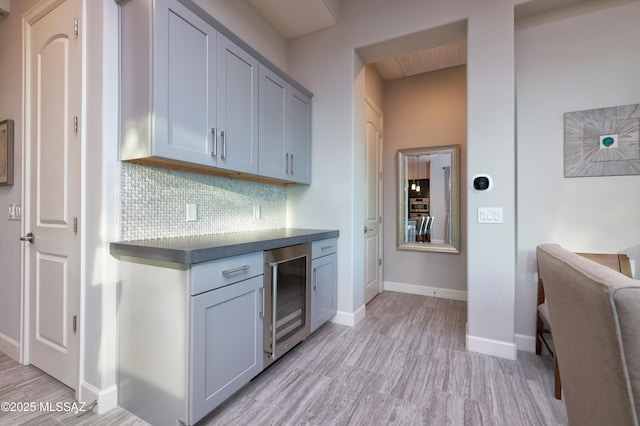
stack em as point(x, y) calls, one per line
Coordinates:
point(6, 152)
point(602, 142)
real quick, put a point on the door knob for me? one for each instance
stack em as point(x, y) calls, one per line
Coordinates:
point(367, 229)
point(31, 237)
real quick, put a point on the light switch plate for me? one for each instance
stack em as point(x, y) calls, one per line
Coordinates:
point(14, 211)
point(490, 215)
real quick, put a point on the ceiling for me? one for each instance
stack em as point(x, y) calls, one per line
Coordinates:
point(437, 58)
point(294, 18)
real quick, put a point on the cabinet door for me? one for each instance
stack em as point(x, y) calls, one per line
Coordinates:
point(324, 295)
point(237, 108)
point(273, 131)
point(300, 144)
point(185, 93)
point(226, 343)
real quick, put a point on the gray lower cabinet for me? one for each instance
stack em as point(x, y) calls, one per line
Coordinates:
point(324, 276)
point(226, 343)
point(188, 336)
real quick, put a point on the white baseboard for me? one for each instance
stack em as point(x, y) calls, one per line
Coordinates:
point(526, 343)
point(492, 347)
point(348, 318)
point(443, 293)
point(10, 346)
point(106, 398)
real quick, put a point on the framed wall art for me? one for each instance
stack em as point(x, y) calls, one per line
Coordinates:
point(602, 142)
point(6, 152)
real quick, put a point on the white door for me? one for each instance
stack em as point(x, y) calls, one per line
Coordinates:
point(373, 198)
point(52, 203)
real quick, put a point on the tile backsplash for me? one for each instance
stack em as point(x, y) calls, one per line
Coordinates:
point(154, 203)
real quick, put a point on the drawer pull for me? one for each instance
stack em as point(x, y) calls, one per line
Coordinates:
point(325, 248)
point(235, 270)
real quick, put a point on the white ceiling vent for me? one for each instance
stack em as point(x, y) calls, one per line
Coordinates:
point(5, 7)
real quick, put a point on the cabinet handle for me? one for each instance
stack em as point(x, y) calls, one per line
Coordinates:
point(325, 248)
point(292, 164)
point(235, 270)
point(224, 144)
point(315, 279)
point(286, 162)
point(214, 153)
point(262, 295)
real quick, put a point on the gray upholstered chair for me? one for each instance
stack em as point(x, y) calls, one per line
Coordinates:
point(615, 261)
point(595, 313)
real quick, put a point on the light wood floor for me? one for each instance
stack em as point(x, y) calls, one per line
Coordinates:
point(405, 364)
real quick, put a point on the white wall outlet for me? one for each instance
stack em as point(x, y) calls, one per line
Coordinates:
point(490, 215)
point(14, 211)
point(257, 212)
point(192, 212)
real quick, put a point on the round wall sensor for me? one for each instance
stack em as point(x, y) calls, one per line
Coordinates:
point(482, 182)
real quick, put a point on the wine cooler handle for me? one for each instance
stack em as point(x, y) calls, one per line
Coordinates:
point(274, 307)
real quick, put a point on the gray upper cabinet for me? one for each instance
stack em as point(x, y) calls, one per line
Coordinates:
point(193, 98)
point(274, 94)
point(167, 101)
point(300, 137)
point(285, 130)
point(237, 112)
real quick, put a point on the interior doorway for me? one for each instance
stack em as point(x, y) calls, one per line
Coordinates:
point(420, 86)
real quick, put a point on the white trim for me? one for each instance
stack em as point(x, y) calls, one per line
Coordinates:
point(106, 399)
point(497, 348)
point(526, 343)
point(443, 293)
point(10, 347)
point(83, 195)
point(349, 318)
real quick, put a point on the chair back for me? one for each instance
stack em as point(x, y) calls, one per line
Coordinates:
point(595, 312)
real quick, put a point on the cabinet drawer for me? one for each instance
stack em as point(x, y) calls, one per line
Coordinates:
point(222, 272)
point(324, 247)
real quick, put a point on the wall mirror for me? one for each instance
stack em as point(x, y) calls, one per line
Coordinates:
point(429, 199)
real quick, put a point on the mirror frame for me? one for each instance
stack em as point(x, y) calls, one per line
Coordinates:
point(402, 200)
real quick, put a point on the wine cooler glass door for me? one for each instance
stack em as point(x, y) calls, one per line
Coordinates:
point(287, 306)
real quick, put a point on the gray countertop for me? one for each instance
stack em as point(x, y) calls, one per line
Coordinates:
point(190, 250)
